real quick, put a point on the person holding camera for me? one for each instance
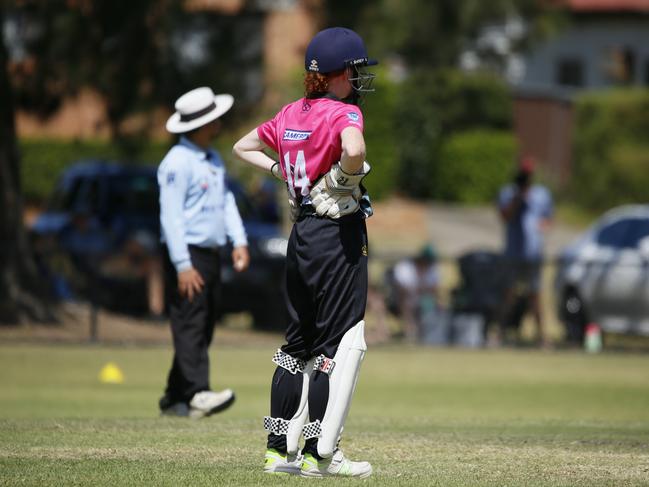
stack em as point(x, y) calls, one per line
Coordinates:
point(526, 210)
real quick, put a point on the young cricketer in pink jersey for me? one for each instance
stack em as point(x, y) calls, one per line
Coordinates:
point(321, 149)
point(306, 136)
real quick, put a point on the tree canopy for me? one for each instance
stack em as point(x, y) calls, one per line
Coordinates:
point(137, 55)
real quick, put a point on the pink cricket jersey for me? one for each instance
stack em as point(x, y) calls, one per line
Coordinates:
point(306, 135)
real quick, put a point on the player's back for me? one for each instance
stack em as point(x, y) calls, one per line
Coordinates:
point(306, 135)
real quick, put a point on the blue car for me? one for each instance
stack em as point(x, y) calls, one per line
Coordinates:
point(101, 226)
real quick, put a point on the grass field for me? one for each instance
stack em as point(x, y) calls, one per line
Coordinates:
point(421, 416)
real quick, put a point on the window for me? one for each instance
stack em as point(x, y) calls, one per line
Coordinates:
point(133, 194)
point(614, 234)
point(66, 195)
point(625, 233)
point(619, 65)
point(638, 230)
point(570, 72)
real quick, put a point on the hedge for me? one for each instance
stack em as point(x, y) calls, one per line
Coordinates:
point(380, 136)
point(473, 165)
point(435, 105)
point(611, 149)
point(43, 160)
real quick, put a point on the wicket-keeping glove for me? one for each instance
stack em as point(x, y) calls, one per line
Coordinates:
point(337, 193)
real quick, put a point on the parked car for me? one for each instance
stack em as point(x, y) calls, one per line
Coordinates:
point(99, 207)
point(603, 277)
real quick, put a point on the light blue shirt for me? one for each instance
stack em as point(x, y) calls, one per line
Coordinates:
point(524, 238)
point(196, 207)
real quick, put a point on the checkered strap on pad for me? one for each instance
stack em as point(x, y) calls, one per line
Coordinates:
point(278, 426)
point(324, 364)
point(292, 364)
point(312, 430)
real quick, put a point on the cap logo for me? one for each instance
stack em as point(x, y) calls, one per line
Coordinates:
point(355, 62)
point(314, 65)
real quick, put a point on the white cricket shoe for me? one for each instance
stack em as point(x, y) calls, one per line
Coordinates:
point(337, 466)
point(206, 403)
point(277, 462)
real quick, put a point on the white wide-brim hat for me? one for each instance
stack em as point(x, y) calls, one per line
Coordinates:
point(197, 108)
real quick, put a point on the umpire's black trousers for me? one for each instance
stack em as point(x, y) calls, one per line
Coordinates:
point(192, 325)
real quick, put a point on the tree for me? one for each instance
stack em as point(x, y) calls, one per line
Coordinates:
point(422, 42)
point(431, 35)
point(137, 55)
point(21, 294)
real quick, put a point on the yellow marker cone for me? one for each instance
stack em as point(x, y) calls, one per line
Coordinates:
point(111, 374)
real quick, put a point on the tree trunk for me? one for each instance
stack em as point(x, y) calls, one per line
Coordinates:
point(22, 293)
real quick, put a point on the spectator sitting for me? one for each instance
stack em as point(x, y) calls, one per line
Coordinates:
point(416, 281)
point(143, 252)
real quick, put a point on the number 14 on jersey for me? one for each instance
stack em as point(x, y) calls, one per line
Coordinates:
point(296, 176)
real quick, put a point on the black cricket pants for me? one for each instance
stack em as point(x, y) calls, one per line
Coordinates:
point(326, 284)
point(192, 326)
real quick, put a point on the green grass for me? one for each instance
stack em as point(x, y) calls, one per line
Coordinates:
point(421, 416)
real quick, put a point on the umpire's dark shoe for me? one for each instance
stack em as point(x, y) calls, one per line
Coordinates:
point(177, 409)
point(206, 403)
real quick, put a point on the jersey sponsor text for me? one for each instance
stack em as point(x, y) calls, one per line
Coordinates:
point(290, 134)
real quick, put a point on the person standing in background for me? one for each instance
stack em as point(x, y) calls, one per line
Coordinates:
point(198, 214)
point(526, 210)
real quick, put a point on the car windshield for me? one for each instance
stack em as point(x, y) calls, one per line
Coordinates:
point(129, 193)
point(625, 233)
point(64, 197)
point(638, 230)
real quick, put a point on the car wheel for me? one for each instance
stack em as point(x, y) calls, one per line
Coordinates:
point(574, 316)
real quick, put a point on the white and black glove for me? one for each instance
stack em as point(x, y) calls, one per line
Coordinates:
point(337, 193)
point(294, 208)
point(365, 203)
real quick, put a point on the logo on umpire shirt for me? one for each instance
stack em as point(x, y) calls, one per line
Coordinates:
point(296, 134)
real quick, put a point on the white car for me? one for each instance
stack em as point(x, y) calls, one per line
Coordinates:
point(603, 277)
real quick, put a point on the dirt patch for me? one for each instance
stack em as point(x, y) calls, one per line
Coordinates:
point(398, 226)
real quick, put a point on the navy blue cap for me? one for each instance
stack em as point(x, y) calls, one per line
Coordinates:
point(334, 49)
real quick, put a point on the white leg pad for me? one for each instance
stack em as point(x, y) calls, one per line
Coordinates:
point(301, 416)
point(292, 428)
point(342, 382)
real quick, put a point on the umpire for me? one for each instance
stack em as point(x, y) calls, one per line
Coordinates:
point(197, 215)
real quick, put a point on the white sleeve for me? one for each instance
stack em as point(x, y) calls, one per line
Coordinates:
point(233, 224)
point(173, 181)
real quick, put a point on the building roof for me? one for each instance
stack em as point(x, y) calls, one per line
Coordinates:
point(583, 6)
